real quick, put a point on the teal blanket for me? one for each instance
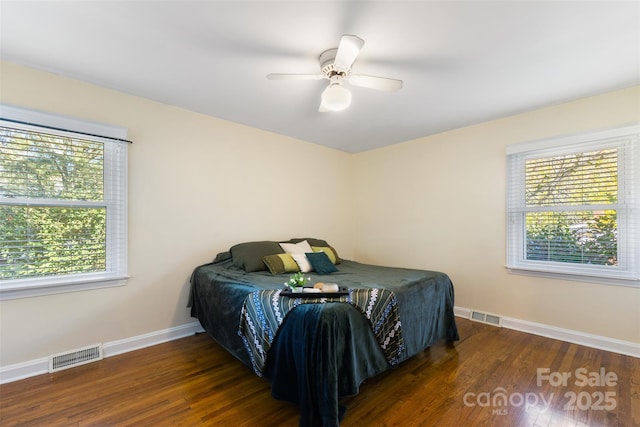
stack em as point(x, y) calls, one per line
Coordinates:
point(264, 311)
point(323, 352)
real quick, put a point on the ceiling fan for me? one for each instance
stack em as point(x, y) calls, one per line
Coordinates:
point(335, 66)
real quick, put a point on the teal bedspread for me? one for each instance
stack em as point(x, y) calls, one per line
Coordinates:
point(323, 352)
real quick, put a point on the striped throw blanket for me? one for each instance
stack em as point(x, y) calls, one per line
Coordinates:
point(264, 311)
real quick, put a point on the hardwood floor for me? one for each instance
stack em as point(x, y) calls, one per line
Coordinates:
point(193, 382)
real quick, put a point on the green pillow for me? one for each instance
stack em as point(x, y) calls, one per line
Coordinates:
point(312, 241)
point(330, 251)
point(222, 256)
point(321, 262)
point(281, 263)
point(248, 256)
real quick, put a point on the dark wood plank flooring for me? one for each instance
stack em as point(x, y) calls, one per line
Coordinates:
point(490, 377)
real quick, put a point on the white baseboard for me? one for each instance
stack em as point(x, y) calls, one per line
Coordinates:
point(147, 340)
point(35, 367)
point(595, 341)
point(23, 370)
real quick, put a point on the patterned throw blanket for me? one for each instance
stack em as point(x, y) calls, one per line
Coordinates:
point(264, 311)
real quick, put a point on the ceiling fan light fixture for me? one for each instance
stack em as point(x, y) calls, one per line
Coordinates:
point(336, 97)
point(335, 66)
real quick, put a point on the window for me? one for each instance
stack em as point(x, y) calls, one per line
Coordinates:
point(62, 205)
point(572, 207)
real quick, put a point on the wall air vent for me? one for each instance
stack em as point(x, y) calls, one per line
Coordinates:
point(490, 319)
point(70, 359)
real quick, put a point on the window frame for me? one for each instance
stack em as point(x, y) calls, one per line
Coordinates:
point(115, 201)
point(626, 139)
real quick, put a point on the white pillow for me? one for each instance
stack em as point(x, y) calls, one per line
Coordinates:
point(296, 248)
point(303, 262)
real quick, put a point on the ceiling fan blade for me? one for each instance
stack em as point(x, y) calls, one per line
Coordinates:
point(347, 52)
point(373, 82)
point(284, 76)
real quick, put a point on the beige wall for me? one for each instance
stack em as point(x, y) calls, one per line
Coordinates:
point(438, 203)
point(435, 203)
point(197, 185)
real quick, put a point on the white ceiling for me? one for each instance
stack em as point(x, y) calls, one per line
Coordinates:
point(461, 62)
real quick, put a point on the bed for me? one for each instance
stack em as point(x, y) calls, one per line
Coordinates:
point(315, 351)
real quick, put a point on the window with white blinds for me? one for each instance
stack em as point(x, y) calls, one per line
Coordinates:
point(573, 207)
point(63, 210)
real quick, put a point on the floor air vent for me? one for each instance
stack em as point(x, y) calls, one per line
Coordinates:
point(490, 319)
point(80, 356)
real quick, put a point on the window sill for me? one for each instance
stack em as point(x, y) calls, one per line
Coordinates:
point(15, 289)
point(601, 280)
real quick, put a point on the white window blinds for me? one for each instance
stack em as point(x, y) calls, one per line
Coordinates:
point(62, 208)
point(573, 206)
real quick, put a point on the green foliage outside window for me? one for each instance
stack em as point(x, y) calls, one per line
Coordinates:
point(52, 219)
point(581, 237)
point(560, 227)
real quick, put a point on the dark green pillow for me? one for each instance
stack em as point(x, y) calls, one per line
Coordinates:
point(248, 256)
point(321, 262)
point(312, 241)
point(222, 256)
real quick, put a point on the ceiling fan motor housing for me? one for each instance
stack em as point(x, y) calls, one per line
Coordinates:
point(327, 60)
point(335, 66)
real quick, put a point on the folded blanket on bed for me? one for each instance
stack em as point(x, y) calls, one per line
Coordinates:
point(264, 311)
